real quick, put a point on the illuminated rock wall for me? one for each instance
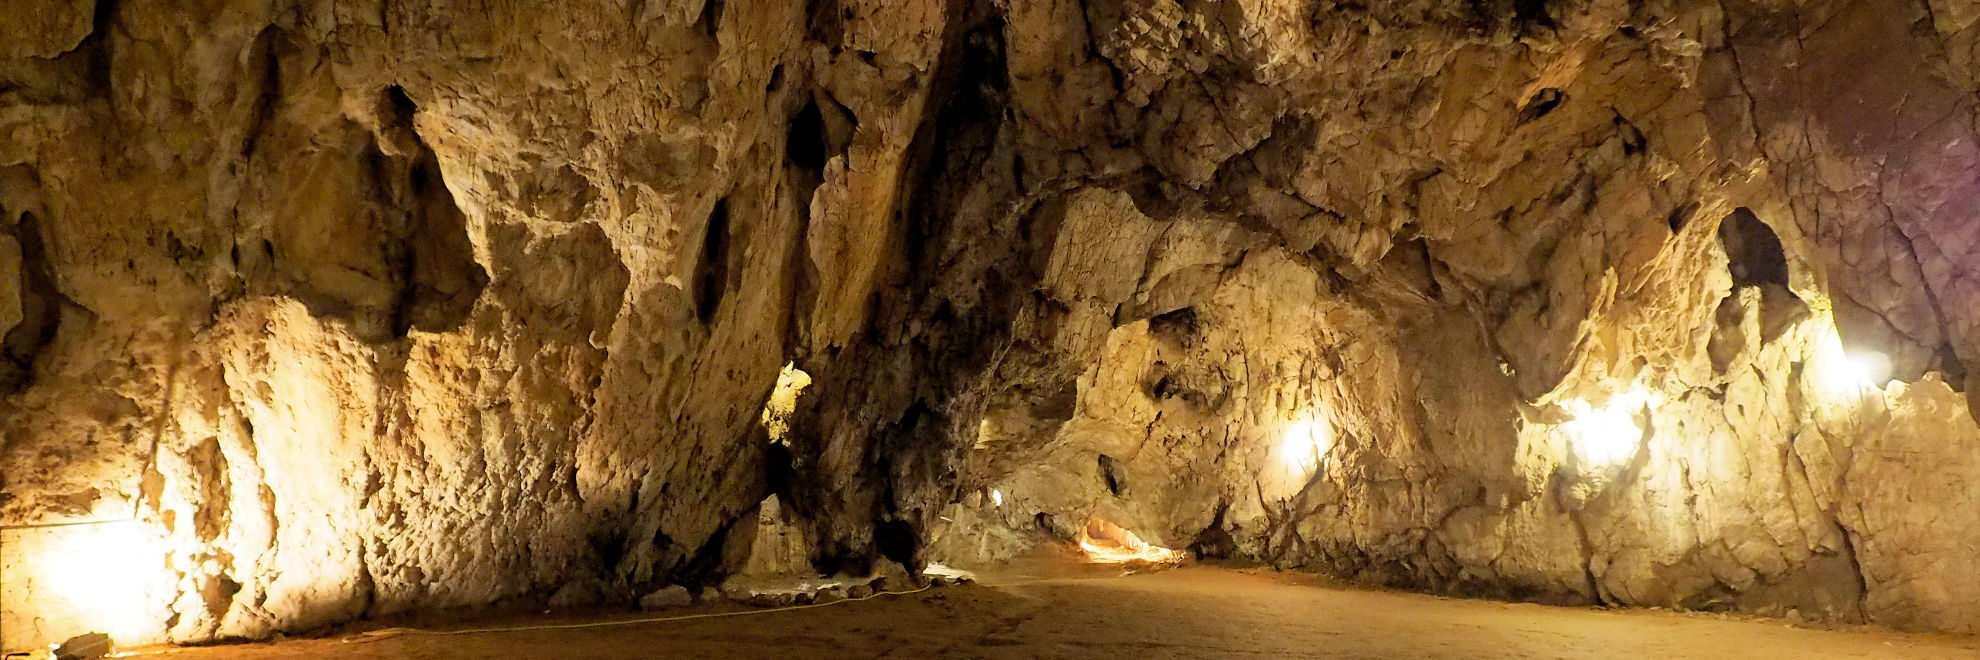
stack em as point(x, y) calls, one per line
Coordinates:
point(319, 310)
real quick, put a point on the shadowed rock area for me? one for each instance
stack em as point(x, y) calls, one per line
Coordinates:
point(313, 311)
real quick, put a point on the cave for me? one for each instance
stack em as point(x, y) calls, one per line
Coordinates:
point(1286, 328)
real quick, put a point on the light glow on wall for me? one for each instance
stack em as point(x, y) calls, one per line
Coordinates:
point(1107, 543)
point(1609, 435)
point(1304, 443)
point(108, 578)
point(1842, 373)
point(777, 411)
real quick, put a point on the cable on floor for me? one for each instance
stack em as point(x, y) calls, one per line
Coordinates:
point(375, 635)
point(387, 633)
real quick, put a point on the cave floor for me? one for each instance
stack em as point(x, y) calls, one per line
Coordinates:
point(1193, 612)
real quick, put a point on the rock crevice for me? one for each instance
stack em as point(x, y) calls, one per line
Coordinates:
point(323, 310)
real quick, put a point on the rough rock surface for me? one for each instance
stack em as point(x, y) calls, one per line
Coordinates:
point(669, 597)
point(347, 308)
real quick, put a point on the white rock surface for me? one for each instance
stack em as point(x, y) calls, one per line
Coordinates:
point(359, 309)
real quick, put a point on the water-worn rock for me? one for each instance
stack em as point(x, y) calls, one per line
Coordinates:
point(773, 599)
point(577, 594)
point(317, 311)
point(669, 597)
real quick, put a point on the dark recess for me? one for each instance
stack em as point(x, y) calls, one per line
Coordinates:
point(1753, 251)
point(1681, 216)
point(43, 308)
point(1633, 140)
point(1214, 541)
point(805, 143)
point(97, 45)
point(400, 106)
point(1755, 258)
point(1110, 474)
point(827, 25)
point(609, 545)
point(441, 278)
point(897, 540)
point(711, 17)
point(778, 469)
point(1531, 14)
point(711, 276)
point(1543, 102)
point(1179, 327)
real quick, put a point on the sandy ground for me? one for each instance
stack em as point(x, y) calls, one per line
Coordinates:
point(1195, 612)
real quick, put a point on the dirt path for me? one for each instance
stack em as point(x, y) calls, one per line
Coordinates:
point(1185, 613)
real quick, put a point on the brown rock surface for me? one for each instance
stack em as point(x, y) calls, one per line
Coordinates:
point(356, 308)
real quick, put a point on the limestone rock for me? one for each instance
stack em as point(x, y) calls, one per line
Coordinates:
point(578, 594)
point(329, 311)
point(667, 597)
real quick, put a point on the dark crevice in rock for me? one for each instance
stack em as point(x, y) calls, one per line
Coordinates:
point(1215, 541)
point(1755, 257)
point(1542, 102)
point(711, 274)
point(440, 279)
point(1681, 216)
point(1753, 250)
point(779, 470)
point(378, 241)
point(608, 545)
point(44, 309)
point(443, 279)
point(269, 47)
point(1634, 142)
point(1179, 328)
point(710, 562)
point(1112, 476)
point(1946, 361)
point(811, 139)
point(826, 22)
point(897, 540)
point(397, 107)
point(1528, 14)
point(96, 47)
point(710, 20)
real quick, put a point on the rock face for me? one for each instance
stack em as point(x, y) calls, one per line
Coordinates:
point(319, 310)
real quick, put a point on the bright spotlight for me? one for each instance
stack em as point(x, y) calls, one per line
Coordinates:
point(1605, 436)
point(1866, 369)
point(106, 577)
point(1304, 443)
point(1845, 372)
point(996, 497)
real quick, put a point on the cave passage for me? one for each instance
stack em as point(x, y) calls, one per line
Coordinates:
point(1198, 612)
point(965, 328)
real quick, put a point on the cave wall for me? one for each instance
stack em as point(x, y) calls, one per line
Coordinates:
point(328, 309)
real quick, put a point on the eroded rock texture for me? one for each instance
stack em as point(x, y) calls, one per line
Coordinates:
point(361, 307)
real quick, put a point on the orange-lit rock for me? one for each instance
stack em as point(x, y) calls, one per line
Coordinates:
point(351, 310)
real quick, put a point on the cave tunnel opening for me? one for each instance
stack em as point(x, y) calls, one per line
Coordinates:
point(1758, 264)
point(1186, 329)
point(1753, 251)
point(711, 273)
